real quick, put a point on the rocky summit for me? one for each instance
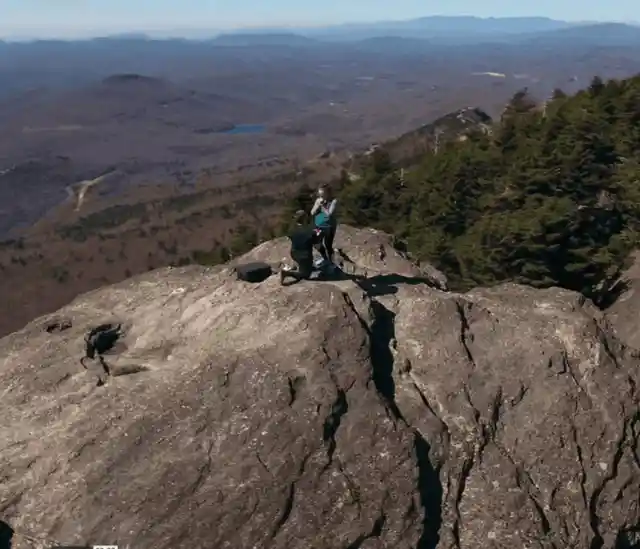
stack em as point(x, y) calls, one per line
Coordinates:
point(375, 410)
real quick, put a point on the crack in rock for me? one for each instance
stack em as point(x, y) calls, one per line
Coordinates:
point(466, 336)
point(598, 540)
point(432, 411)
point(461, 483)
point(551, 528)
point(430, 489)
point(376, 532)
point(294, 387)
point(287, 508)
point(583, 472)
point(526, 484)
point(353, 489)
point(332, 422)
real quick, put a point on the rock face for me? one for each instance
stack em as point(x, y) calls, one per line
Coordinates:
point(356, 413)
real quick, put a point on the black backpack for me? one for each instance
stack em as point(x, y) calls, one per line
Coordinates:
point(254, 272)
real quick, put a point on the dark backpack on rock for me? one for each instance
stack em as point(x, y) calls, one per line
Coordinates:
point(254, 272)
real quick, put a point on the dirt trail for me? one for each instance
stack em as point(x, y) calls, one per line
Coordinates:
point(79, 190)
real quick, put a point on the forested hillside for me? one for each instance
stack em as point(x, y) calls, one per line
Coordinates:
point(549, 195)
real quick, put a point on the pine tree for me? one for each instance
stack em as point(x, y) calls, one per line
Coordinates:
point(546, 199)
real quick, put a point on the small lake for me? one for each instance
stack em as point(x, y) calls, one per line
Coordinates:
point(246, 128)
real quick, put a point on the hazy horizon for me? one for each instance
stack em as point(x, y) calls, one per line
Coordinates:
point(200, 32)
point(69, 19)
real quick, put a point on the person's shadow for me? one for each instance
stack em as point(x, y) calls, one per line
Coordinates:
point(387, 284)
point(378, 285)
point(6, 535)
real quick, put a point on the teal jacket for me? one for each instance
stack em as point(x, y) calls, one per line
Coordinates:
point(324, 217)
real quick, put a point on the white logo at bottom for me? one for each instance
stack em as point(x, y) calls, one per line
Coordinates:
point(105, 547)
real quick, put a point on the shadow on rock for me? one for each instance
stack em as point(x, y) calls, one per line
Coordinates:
point(628, 539)
point(387, 284)
point(6, 535)
point(382, 337)
point(382, 334)
point(609, 296)
point(431, 493)
point(374, 286)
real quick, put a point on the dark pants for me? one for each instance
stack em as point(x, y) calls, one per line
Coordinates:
point(304, 262)
point(326, 243)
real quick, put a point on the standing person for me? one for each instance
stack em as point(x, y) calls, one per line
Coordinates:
point(303, 239)
point(324, 217)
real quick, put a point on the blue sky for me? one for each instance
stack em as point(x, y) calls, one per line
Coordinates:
point(87, 16)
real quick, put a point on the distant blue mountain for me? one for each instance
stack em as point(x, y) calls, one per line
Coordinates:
point(263, 39)
point(438, 27)
point(593, 35)
point(412, 36)
point(433, 32)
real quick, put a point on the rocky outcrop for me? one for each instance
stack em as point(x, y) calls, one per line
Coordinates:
point(373, 411)
point(364, 252)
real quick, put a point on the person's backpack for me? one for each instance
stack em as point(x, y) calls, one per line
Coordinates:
point(253, 272)
point(322, 221)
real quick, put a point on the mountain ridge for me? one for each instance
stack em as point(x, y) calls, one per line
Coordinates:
point(452, 27)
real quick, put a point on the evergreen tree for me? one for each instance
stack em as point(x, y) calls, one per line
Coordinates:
point(550, 197)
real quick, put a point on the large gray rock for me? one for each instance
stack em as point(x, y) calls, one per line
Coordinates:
point(344, 414)
point(532, 414)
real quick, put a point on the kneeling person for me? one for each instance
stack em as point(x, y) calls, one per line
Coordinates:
point(303, 239)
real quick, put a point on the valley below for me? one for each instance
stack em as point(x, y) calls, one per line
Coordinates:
point(162, 159)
